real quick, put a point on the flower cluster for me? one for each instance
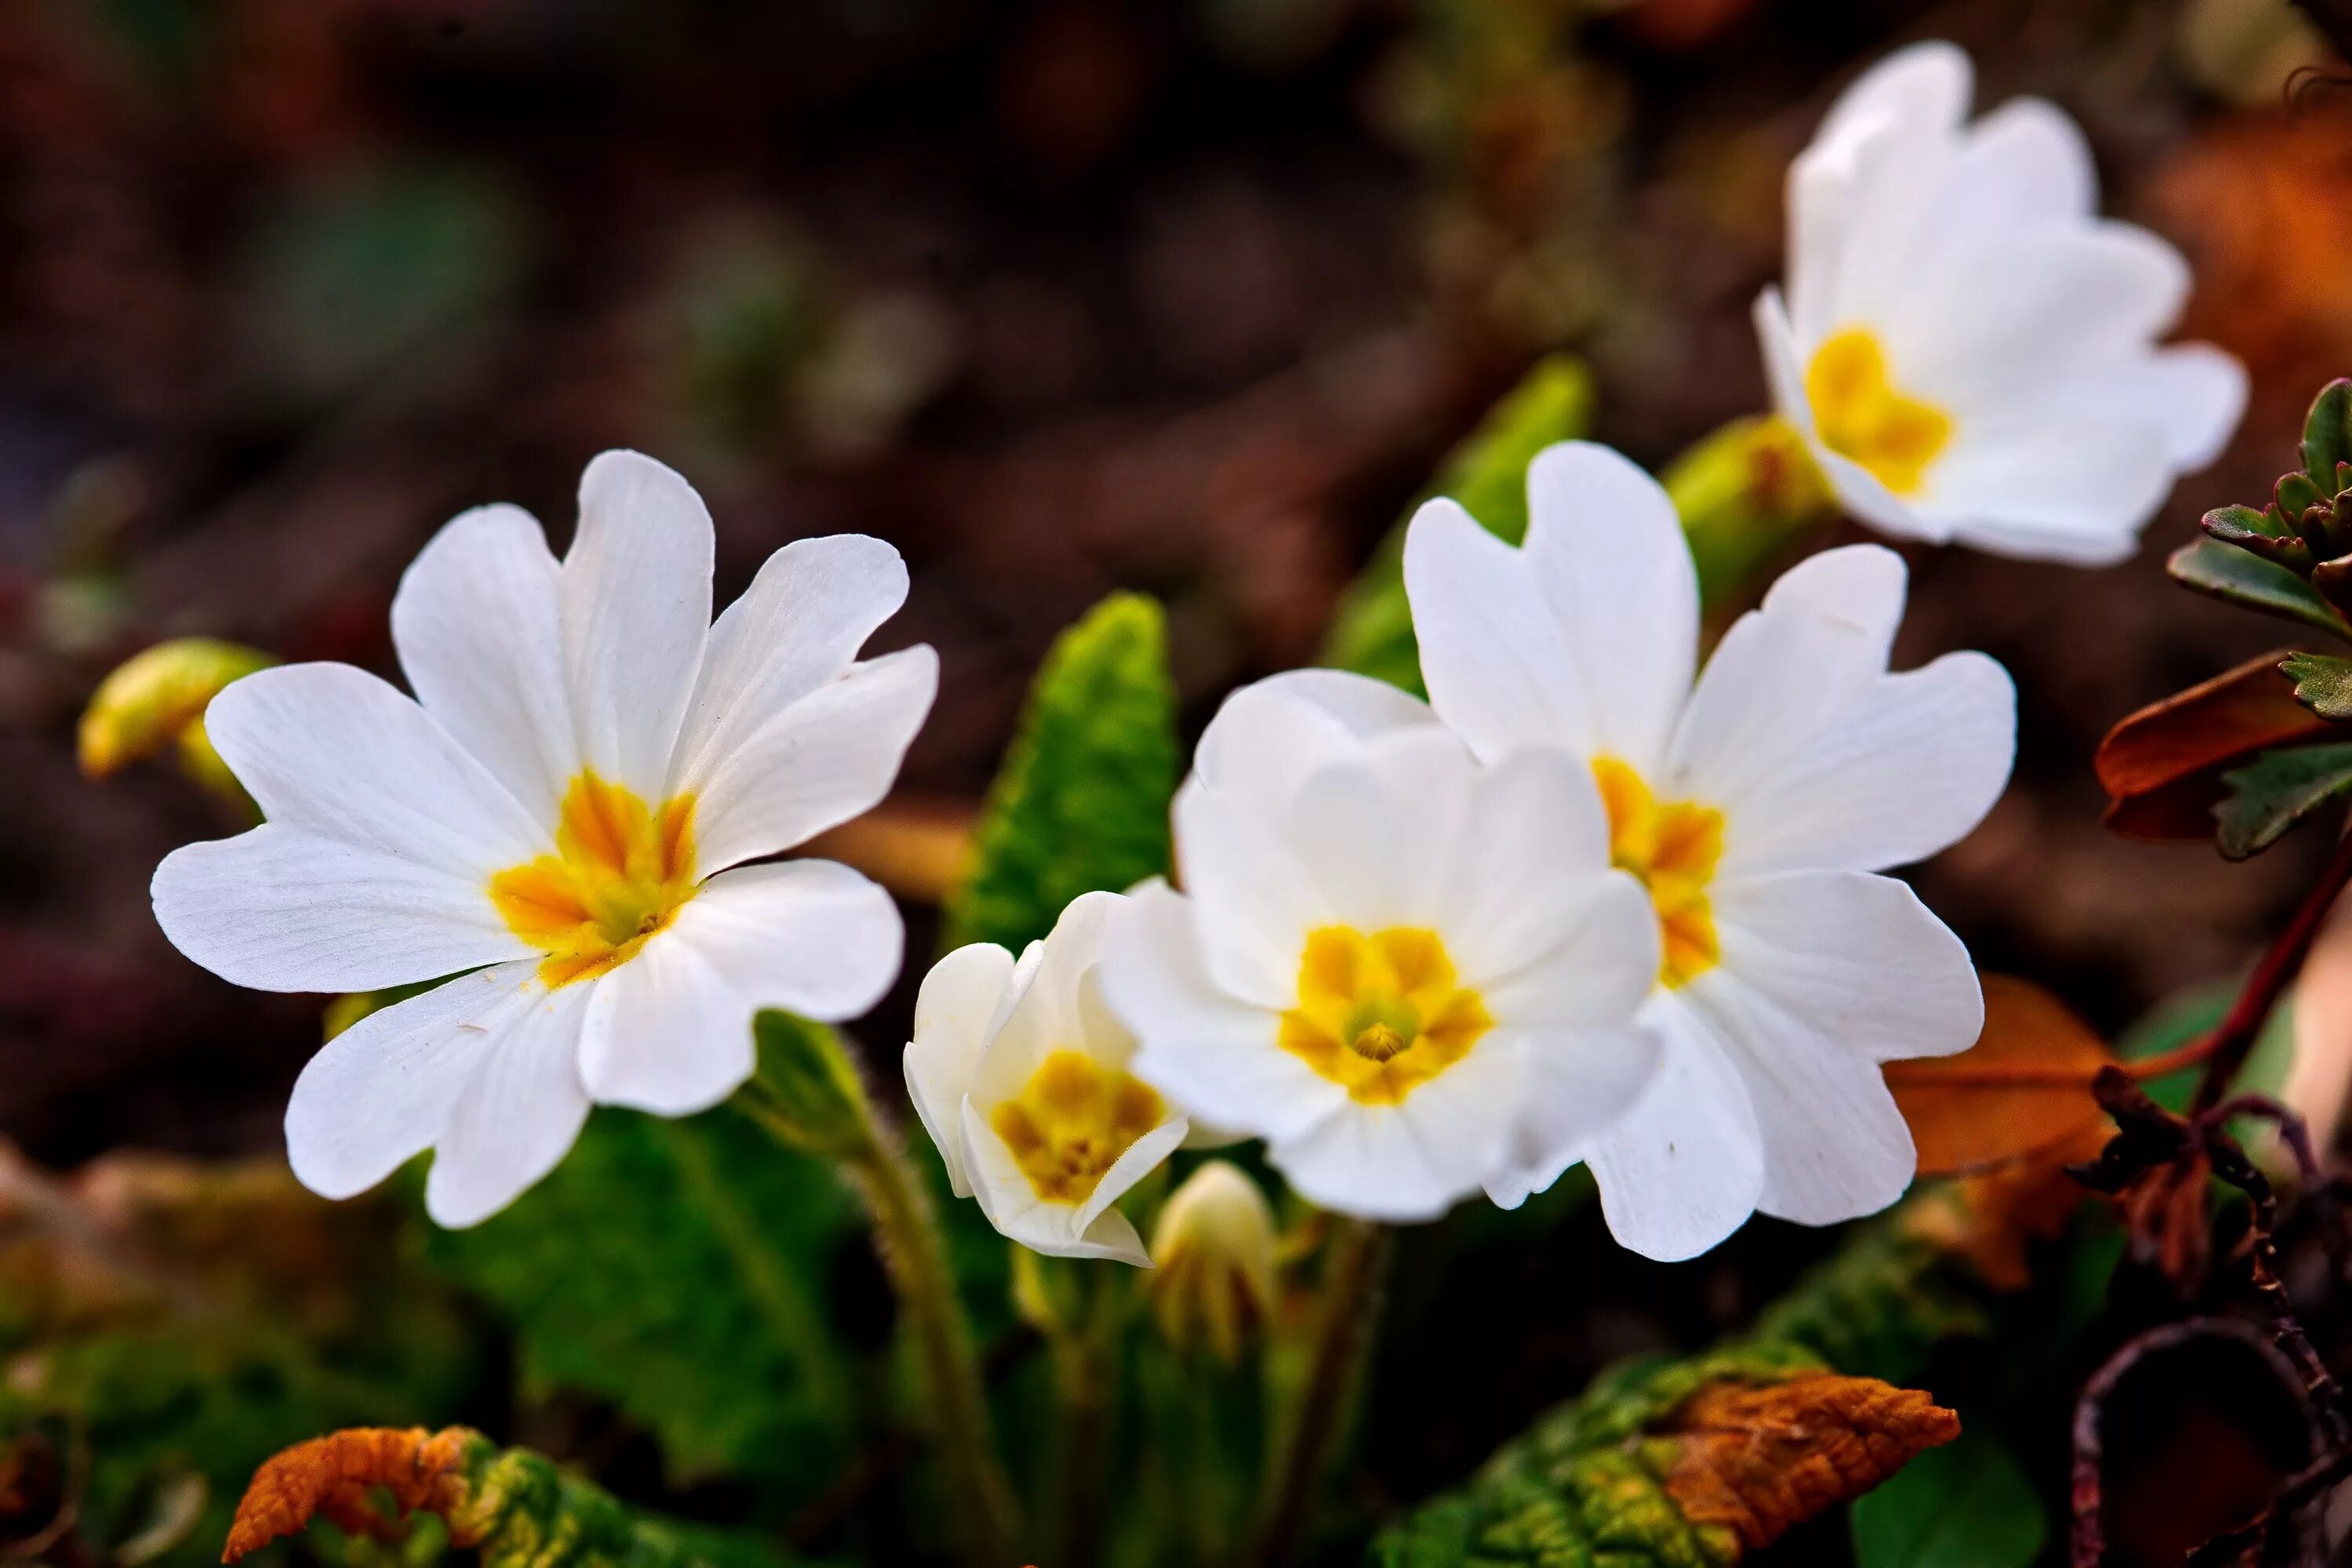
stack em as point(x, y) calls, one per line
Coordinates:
point(1590, 902)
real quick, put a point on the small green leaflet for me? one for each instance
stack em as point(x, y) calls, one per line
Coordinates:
point(2322, 683)
point(2226, 573)
point(1965, 1505)
point(2275, 792)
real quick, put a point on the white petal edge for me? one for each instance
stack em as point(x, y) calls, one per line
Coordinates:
point(520, 1113)
point(1684, 1168)
point(666, 1032)
point(951, 1013)
point(812, 937)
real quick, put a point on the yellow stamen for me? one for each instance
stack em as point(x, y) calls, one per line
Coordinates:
point(1381, 1014)
point(1861, 415)
point(620, 873)
point(1072, 1121)
point(1673, 849)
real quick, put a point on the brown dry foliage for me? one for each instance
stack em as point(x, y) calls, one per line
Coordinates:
point(1760, 1460)
point(1989, 1220)
point(1981, 1109)
point(2162, 765)
point(338, 1475)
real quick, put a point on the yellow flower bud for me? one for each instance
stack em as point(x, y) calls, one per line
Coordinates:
point(156, 701)
point(1214, 1252)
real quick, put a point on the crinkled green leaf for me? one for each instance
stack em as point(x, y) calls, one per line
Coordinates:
point(2327, 434)
point(2275, 792)
point(1372, 633)
point(677, 1269)
point(2231, 574)
point(2322, 683)
point(1081, 804)
point(1965, 1505)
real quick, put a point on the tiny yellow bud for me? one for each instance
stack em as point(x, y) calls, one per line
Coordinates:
point(1213, 1253)
point(155, 702)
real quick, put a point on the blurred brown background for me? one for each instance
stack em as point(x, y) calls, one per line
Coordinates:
point(1056, 297)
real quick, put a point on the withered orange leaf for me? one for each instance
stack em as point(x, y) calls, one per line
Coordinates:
point(1757, 1461)
point(2023, 1086)
point(337, 1475)
point(1989, 1220)
point(2162, 767)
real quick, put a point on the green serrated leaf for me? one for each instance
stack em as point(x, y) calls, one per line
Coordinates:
point(1372, 633)
point(2322, 683)
point(1965, 1505)
point(2228, 574)
point(2327, 434)
point(1081, 804)
point(2275, 792)
point(676, 1268)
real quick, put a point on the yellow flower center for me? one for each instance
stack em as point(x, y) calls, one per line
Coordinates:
point(1072, 1120)
point(1673, 849)
point(620, 873)
point(1861, 415)
point(1381, 1014)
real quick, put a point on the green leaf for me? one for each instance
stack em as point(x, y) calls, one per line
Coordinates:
point(678, 1269)
point(2226, 573)
point(1965, 1505)
point(2197, 1010)
point(2327, 434)
point(2275, 792)
point(2322, 683)
point(1081, 804)
point(1487, 473)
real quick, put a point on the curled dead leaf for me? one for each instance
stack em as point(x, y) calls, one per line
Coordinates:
point(2162, 767)
point(337, 1475)
point(1759, 1460)
point(2024, 1086)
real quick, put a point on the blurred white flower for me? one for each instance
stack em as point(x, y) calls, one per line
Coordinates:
point(1754, 806)
point(1407, 971)
point(1968, 350)
point(555, 811)
point(1021, 1076)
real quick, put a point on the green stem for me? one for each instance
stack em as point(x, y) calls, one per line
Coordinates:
point(907, 1235)
point(1351, 1290)
point(1083, 1373)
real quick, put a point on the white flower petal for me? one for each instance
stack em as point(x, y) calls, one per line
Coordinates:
point(2022, 164)
point(1400, 1162)
point(1600, 965)
point(283, 909)
point(381, 1092)
point(1857, 961)
point(2076, 489)
point(1930, 82)
point(796, 628)
point(828, 757)
point(1268, 737)
point(1213, 1057)
point(1911, 768)
point(335, 751)
point(1499, 664)
point(1576, 1085)
point(1684, 1168)
point(1785, 672)
point(1857, 489)
point(666, 1033)
point(480, 637)
point(951, 1014)
point(1266, 899)
point(1012, 1206)
point(518, 1115)
point(1376, 833)
point(636, 613)
point(1049, 1012)
point(809, 936)
point(1137, 1161)
point(2194, 393)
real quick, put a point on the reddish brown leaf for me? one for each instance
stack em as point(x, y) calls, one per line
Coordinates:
point(2161, 767)
point(1760, 1460)
point(2024, 1086)
point(1990, 1219)
point(337, 1475)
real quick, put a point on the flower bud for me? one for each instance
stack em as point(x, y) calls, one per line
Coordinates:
point(156, 701)
point(1748, 495)
point(808, 1086)
point(1213, 1250)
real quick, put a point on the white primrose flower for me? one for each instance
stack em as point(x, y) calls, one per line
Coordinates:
point(1022, 1076)
point(1409, 973)
point(1755, 806)
point(556, 811)
point(1967, 348)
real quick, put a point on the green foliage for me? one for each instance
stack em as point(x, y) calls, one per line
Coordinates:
point(2226, 573)
point(1965, 1505)
point(527, 1513)
point(2276, 791)
point(809, 1085)
point(1372, 633)
point(1081, 805)
point(1877, 1306)
point(2327, 435)
point(677, 1269)
point(2322, 683)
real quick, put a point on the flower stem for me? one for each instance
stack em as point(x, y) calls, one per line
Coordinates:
point(1351, 1290)
point(907, 1235)
point(1083, 1374)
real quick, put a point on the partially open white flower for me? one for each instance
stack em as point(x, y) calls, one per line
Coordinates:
point(1754, 806)
point(1968, 350)
point(1022, 1077)
point(1408, 972)
point(555, 811)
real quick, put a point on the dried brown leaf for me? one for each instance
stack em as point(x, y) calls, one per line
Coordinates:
point(337, 1475)
point(2023, 1086)
point(2162, 767)
point(1990, 1219)
point(1760, 1460)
